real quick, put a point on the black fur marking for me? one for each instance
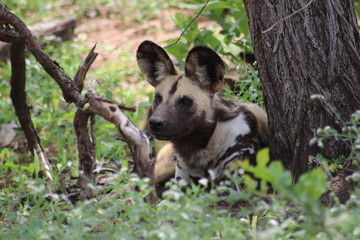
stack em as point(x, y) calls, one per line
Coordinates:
point(178, 165)
point(244, 148)
point(196, 140)
point(176, 121)
point(174, 86)
point(250, 119)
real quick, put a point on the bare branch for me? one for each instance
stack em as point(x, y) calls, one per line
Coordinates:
point(68, 87)
point(84, 68)
point(142, 155)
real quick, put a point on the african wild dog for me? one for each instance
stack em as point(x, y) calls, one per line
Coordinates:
point(205, 131)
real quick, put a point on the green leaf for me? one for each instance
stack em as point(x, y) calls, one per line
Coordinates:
point(179, 19)
point(249, 182)
point(311, 185)
point(263, 174)
point(263, 157)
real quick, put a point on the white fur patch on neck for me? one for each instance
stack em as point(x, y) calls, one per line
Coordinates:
point(226, 132)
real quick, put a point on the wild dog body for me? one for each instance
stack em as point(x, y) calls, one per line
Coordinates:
point(205, 131)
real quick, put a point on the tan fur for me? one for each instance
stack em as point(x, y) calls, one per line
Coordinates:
point(165, 164)
point(186, 87)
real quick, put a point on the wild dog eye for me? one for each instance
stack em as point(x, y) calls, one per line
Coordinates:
point(186, 101)
point(158, 98)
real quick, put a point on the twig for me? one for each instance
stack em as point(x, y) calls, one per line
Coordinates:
point(182, 33)
point(287, 17)
point(84, 68)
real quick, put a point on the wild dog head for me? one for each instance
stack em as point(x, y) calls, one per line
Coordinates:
point(182, 101)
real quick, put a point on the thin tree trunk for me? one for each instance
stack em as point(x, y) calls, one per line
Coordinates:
point(18, 98)
point(86, 146)
point(305, 48)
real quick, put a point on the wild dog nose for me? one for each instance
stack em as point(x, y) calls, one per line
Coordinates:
point(156, 123)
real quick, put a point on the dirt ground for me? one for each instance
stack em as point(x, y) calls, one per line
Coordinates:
point(114, 34)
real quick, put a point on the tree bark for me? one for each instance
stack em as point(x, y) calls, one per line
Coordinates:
point(305, 48)
point(87, 148)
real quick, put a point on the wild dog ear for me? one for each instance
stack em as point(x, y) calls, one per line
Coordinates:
point(154, 62)
point(205, 67)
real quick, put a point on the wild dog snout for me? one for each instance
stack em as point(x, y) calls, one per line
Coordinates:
point(156, 123)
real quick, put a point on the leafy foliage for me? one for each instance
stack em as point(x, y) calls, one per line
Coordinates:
point(232, 35)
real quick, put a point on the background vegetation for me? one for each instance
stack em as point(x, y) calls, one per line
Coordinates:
point(31, 208)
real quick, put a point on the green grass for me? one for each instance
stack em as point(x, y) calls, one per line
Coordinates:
point(31, 208)
point(131, 11)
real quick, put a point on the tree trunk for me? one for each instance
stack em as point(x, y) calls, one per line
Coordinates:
point(305, 48)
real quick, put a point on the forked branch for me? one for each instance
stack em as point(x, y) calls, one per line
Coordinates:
point(15, 31)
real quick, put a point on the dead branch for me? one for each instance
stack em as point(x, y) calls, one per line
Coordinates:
point(18, 97)
point(111, 111)
point(71, 90)
point(68, 87)
point(84, 68)
point(9, 35)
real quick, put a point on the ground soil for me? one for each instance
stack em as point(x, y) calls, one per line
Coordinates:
point(112, 34)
